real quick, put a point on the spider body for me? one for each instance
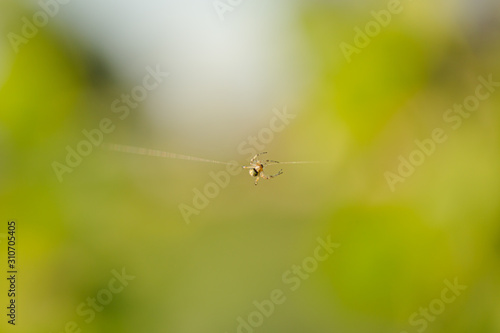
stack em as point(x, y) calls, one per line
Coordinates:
point(257, 168)
point(254, 172)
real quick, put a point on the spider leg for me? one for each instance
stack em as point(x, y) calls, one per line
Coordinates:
point(267, 162)
point(269, 177)
point(248, 167)
point(257, 180)
point(252, 161)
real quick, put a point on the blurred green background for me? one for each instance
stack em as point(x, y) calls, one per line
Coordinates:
point(121, 211)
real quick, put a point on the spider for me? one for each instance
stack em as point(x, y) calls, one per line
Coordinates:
point(257, 168)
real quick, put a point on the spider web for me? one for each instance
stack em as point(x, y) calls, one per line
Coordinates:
point(157, 153)
point(165, 154)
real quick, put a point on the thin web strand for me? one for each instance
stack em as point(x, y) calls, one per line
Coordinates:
point(303, 162)
point(158, 153)
point(298, 162)
point(164, 154)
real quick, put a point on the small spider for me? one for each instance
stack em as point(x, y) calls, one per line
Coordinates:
point(257, 168)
